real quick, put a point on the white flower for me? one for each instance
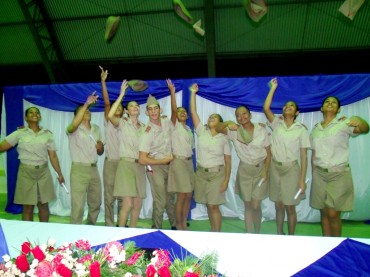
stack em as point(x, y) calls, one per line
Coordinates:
point(6, 258)
point(51, 242)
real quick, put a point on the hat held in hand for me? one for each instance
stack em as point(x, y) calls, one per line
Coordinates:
point(137, 85)
point(111, 27)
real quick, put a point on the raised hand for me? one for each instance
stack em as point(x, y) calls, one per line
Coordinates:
point(170, 85)
point(103, 74)
point(273, 83)
point(194, 88)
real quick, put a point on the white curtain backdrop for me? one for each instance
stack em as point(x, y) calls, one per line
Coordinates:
point(57, 122)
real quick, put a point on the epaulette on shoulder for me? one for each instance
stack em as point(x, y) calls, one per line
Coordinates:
point(263, 125)
point(147, 129)
point(21, 127)
point(48, 131)
point(163, 116)
point(304, 126)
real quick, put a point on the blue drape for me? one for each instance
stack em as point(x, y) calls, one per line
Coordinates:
point(307, 91)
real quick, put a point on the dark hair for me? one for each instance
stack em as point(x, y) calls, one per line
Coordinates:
point(330, 96)
point(220, 117)
point(125, 106)
point(242, 106)
point(26, 111)
point(182, 108)
point(296, 106)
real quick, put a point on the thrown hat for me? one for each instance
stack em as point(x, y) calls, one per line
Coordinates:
point(181, 11)
point(111, 27)
point(137, 85)
point(197, 27)
point(151, 101)
point(349, 8)
point(243, 136)
point(256, 9)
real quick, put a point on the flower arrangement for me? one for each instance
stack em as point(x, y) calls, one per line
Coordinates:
point(114, 259)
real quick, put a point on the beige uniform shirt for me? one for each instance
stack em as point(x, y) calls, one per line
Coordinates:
point(211, 149)
point(286, 143)
point(182, 140)
point(157, 139)
point(331, 144)
point(112, 141)
point(255, 152)
point(82, 146)
point(32, 147)
point(129, 138)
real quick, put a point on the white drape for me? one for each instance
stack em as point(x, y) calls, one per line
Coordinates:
point(57, 122)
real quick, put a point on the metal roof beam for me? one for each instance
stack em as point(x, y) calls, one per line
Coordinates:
point(209, 18)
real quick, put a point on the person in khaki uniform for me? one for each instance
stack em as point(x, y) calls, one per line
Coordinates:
point(35, 146)
point(130, 181)
point(85, 145)
point(213, 164)
point(252, 145)
point(155, 153)
point(289, 143)
point(332, 186)
point(181, 174)
point(112, 144)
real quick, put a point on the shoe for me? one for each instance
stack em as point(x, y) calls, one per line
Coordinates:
point(187, 224)
point(173, 228)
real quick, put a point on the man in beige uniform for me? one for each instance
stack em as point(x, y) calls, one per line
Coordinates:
point(155, 153)
point(85, 145)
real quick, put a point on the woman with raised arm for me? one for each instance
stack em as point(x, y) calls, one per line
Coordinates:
point(332, 186)
point(35, 146)
point(130, 181)
point(289, 143)
point(213, 164)
point(181, 172)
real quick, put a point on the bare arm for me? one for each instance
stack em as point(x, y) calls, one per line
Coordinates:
point(112, 111)
point(146, 159)
point(267, 105)
point(222, 126)
point(193, 105)
point(267, 163)
point(172, 89)
point(80, 113)
point(103, 78)
point(360, 124)
point(4, 146)
point(225, 183)
point(302, 180)
point(55, 163)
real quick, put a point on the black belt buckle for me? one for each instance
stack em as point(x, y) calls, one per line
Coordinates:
point(37, 166)
point(206, 170)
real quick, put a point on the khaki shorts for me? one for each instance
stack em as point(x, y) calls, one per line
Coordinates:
point(247, 180)
point(284, 182)
point(34, 184)
point(130, 180)
point(207, 186)
point(332, 189)
point(181, 176)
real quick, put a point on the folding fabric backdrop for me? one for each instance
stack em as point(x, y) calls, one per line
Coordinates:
point(216, 95)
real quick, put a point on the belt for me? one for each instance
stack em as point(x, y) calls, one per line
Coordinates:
point(111, 160)
point(256, 165)
point(36, 166)
point(334, 169)
point(210, 169)
point(285, 163)
point(182, 157)
point(84, 164)
point(131, 160)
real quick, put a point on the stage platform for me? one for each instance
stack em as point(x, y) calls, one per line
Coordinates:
point(239, 254)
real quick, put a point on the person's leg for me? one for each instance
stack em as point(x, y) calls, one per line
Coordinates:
point(186, 209)
point(180, 199)
point(94, 194)
point(325, 225)
point(335, 222)
point(257, 215)
point(43, 212)
point(280, 215)
point(109, 171)
point(135, 212)
point(125, 211)
point(27, 213)
point(292, 218)
point(159, 193)
point(215, 217)
point(248, 216)
point(79, 177)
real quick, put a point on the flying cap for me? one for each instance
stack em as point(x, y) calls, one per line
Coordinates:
point(181, 11)
point(137, 85)
point(349, 8)
point(151, 101)
point(256, 9)
point(111, 27)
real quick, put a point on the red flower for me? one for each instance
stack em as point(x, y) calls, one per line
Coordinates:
point(164, 272)
point(134, 258)
point(88, 257)
point(83, 245)
point(22, 263)
point(150, 271)
point(38, 254)
point(191, 274)
point(26, 247)
point(44, 268)
point(63, 271)
point(95, 269)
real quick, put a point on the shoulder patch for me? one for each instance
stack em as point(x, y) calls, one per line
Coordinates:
point(147, 129)
point(304, 126)
point(262, 124)
point(163, 116)
point(21, 127)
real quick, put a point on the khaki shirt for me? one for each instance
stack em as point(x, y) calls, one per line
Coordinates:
point(182, 140)
point(157, 139)
point(32, 147)
point(331, 144)
point(286, 143)
point(129, 138)
point(112, 141)
point(254, 152)
point(211, 149)
point(81, 146)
